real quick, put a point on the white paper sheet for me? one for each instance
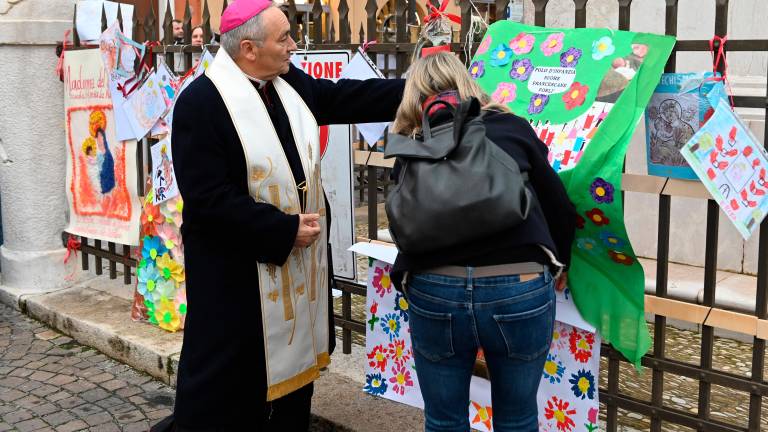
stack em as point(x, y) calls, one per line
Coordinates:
point(360, 67)
point(88, 19)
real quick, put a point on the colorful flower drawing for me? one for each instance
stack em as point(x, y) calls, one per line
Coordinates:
point(374, 319)
point(588, 245)
point(575, 96)
point(583, 384)
point(538, 102)
point(505, 93)
point(391, 325)
point(580, 222)
point(477, 69)
point(592, 419)
point(602, 48)
point(397, 353)
point(484, 45)
point(483, 415)
point(558, 409)
point(581, 343)
point(501, 55)
point(401, 379)
point(611, 240)
point(148, 277)
point(522, 43)
point(521, 69)
point(375, 384)
point(621, 257)
point(151, 218)
point(153, 248)
point(381, 280)
point(601, 191)
point(553, 369)
point(378, 358)
point(597, 217)
point(553, 44)
point(167, 317)
point(401, 305)
point(559, 337)
point(570, 58)
point(170, 269)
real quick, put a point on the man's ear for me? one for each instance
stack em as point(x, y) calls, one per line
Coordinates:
point(247, 49)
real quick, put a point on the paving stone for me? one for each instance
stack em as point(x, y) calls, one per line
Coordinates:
point(52, 367)
point(106, 427)
point(159, 414)
point(41, 376)
point(110, 402)
point(94, 394)
point(101, 377)
point(74, 425)
point(113, 385)
point(78, 386)
point(58, 418)
point(29, 401)
point(30, 425)
point(18, 416)
point(58, 396)
point(29, 386)
point(131, 416)
point(20, 372)
point(9, 395)
point(71, 402)
point(60, 380)
point(86, 410)
point(98, 419)
point(45, 390)
point(129, 391)
point(5, 427)
point(11, 381)
point(141, 426)
point(44, 409)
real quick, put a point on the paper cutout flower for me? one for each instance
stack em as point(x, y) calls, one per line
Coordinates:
point(151, 218)
point(477, 69)
point(621, 257)
point(484, 45)
point(170, 269)
point(580, 222)
point(597, 217)
point(505, 93)
point(391, 325)
point(559, 410)
point(538, 102)
point(401, 305)
point(171, 240)
point(575, 96)
point(181, 300)
point(164, 290)
point(553, 369)
point(501, 55)
point(588, 245)
point(583, 384)
point(381, 280)
point(611, 240)
point(167, 317)
point(570, 58)
point(601, 191)
point(522, 43)
point(148, 277)
point(521, 69)
point(484, 415)
point(375, 384)
point(172, 209)
point(397, 353)
point(580, 344)
point(553, 44)
point(401, 379)
point(378, 358)
point(602, 48)
point(153, 248)
point(150, 305)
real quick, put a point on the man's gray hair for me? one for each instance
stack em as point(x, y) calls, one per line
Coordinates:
point(253, 29)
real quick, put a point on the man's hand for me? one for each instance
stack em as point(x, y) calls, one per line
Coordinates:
point(562, 281)
point(309, 230)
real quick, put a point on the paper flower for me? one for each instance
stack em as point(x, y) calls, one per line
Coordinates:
point(172, 209)
point(553, 369)
point(597, 217)
point(501, 55)
point(148, 277)
point(559, 410)
point(553, 44)
point(181, 300)
point(151, 218)
point(580, 222)
point(570, 58)
point(583, 384)
point(378, 358)
point(484, 45)
point(538, 102)
point(171, 240)
point(170, 269)
point(167, 317)
point(601, 191)
point(602, 48)
point(521, 69)
point(375, 384)
point(150, 305)
point(575, 96)
point(522, 43)
point(397, 353)
point(381, 280)
point(505, 93)
point(587, 244)
point(391, 325)
point(401, 379)
point(621, 257)
point(611, 240)
point(477, 69)
point(165, 289)
point(580, 344)
point(153, 247)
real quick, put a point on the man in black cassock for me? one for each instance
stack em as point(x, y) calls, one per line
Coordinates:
point(240, 230)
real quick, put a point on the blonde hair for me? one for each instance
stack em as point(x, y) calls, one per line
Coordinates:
point(433, 75)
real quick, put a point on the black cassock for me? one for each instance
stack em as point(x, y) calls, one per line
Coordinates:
point(221, 380)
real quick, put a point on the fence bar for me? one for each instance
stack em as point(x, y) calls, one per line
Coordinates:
point(112, 263)
point(97, 245)
point(581, 13)
point(83, 249)
point(624, 14)
point(126, 265)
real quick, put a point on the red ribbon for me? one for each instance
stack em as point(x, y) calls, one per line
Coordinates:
point(73, 245)
point(60, 64)
point(367, 44)
point(437, 13)
point(718, 55)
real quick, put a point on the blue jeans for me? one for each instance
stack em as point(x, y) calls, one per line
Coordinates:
point(512, 321)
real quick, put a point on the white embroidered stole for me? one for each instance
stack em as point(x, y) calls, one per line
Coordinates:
point(294, 297)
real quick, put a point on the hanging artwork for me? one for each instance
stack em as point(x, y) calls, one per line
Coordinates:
point(145, 106)
point(101, 170)
point(164, 186)
point(583, 91)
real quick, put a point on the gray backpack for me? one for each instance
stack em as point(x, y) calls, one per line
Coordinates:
point(454, 186)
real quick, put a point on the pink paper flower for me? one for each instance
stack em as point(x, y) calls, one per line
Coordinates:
point(553, 44)
point(484, 45)
point(505, 93)
point(522, 43)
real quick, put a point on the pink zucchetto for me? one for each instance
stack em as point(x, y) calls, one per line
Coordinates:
point(241, 11)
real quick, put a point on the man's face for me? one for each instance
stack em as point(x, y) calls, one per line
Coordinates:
point(273, 57)
point(178, 30)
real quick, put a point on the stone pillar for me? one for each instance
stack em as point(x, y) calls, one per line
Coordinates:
point(32, 153)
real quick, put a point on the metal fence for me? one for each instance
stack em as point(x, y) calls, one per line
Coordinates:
point(396, 31)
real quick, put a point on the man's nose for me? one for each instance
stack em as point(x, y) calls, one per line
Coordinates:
point(292, 47)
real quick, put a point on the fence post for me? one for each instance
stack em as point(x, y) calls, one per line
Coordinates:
point(317, 19)
point(540, 12)
point(345, 33)
point(581, 13)
point(292, 20)
point(206, 23)
point(624, 10)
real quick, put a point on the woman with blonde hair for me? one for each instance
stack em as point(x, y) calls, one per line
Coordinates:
point(494, 293)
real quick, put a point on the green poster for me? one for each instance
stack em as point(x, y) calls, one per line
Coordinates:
point(583, 91)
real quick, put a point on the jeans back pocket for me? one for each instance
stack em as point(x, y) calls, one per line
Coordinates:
point(527, 334)
point(431, 333)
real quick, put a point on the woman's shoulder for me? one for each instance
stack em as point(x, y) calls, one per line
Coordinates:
point(507, 122)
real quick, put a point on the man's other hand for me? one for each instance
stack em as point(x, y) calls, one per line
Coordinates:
point(309, 230)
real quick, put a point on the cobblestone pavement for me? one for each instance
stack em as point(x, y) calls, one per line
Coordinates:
point(48, 382)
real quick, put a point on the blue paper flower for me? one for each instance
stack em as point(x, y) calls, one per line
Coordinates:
point(611, 240)
point(602, 48)
point(148, 278)
point(501, 55)
point(153, 248)
point(375, 384)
